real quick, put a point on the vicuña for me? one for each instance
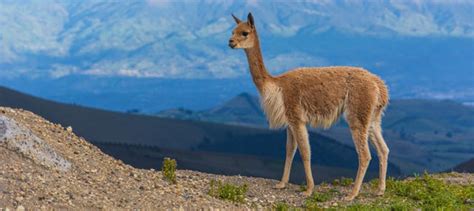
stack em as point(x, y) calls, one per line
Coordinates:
point(318, 96)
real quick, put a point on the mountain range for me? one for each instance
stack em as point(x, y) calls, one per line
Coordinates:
point(422, 48)
point(423, 135)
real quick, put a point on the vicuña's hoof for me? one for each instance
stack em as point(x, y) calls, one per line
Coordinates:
point(380, 192)
point(307, 193)
point(280, 185)
point(349, 197)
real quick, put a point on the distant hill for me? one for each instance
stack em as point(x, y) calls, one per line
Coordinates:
point(423, 135)
point(144, 140)
point(467, 166)
point(244, 109)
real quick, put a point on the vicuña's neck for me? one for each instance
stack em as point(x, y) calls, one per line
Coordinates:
point(257, 67)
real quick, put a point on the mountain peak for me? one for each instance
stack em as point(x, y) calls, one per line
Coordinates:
point(244, 103)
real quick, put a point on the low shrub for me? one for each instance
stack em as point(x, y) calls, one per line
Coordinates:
point(227, 191)
point(169, 170)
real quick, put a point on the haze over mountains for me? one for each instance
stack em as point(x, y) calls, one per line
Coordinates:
point(423, 49)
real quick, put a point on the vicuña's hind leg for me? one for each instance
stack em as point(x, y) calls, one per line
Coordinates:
point(382, 151)
point(290, 153)
point(359, 132)
point(300, 134)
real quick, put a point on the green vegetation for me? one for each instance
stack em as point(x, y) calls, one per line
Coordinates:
point(426, 192)
point(343, 182)
point(281, 206)
point(302, 187)
point(324, 184)
point(346, 181)
point(169, 170)
point(227, 191)
point(429, 192)
point(313, 201)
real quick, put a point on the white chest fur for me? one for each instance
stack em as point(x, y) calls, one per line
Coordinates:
point(273, 105)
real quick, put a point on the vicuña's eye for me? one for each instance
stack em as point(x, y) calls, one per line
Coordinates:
point(245, 33)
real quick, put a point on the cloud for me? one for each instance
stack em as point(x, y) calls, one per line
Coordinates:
point(60, 71)
point(283, 62)
point(285, 31)
point(219, 26)
point(159, 3)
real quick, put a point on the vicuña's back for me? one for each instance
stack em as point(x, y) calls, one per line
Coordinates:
point(322, 95)
point(318, 96)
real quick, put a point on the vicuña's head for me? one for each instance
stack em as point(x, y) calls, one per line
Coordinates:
point(244, 34)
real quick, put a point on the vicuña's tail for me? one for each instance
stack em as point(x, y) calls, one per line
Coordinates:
point(383, 97)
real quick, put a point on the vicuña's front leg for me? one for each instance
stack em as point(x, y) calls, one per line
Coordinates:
point(290, 153)
point(300, 134)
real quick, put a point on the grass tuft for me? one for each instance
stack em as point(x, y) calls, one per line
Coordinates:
point(169, 170)
point(346, 181)
point(227, 191)
point(302, 187)
point(343, 181)
point(281, 206)
point(312, 203)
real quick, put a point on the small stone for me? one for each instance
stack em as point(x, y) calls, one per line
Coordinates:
point(69, 129)
point(20, 208)
point(19, 198)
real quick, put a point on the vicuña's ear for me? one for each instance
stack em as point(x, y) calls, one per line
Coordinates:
point(250, 20)
point(236, 19)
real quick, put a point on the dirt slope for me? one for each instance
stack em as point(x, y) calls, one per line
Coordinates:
point(45, 165)
point(91, 180)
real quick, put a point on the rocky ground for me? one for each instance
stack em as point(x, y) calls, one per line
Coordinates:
point(45, 165)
